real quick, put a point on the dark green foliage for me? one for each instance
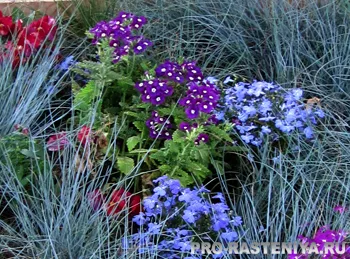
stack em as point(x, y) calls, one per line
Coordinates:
point(23, 155)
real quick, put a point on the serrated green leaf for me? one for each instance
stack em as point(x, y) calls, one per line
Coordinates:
point(184, 178)
point(165, 111)
point(125, 82)
point(178, 136)
point(85, 96)
point(220, 134)
point(143, 105)
point(201, 153)
point(125, 164)
point(17, 14)
point(198, 170)
point(132, 142)
point(112, 76)
point(159, 156)
point(165, 169)
point(140, 125)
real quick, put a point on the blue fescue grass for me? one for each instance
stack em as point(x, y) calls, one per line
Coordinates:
point(296, 195)
point(277, 201)
point(274, 41)
point(28, 91)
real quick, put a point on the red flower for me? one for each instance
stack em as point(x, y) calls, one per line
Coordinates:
point(26, 40)
point(57, 142)
point(84, 135)
point(17, 27)
point(42, 28)
point(5, 24)
point(122, 200)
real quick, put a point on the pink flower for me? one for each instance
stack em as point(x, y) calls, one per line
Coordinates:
point(25, 131)
point(84, 135)
point(340, 209)
point(96, 199)
point(57, 142)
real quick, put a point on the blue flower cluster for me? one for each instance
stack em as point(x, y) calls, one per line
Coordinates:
point(174, 214)
point(158, 126)
point(119, 33)
point(66, 63)
point(261, 108)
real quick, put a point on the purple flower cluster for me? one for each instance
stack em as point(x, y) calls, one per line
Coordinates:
point(202, 138)
point(200, 97)
point(159, 126)
point(260, 108)
point(184, 73)
point(119, 33)
point(154, 91)
point(168, 74)
point(322, 236)
point(175, 214)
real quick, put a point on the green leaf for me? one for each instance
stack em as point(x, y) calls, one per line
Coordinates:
point(19, 171)
point(159, 156)
point(132, 114)
point(132, 142)
point(184, 178)
point(178, 136)
point(142, 150)
point(165, 111)
point(85, 96)
point(218, 165)
point(165, 169)
point(143, 105)
point(125, 164)
point(125, 82)
point(140, 125)
point(112, 110)
point(17, 14)
point(24, 181)
point(220, 134)
point(173, 147)
point(29, 153)
point(200, 153)
point(233, 148)
point(198, 170)
point(112, 76)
